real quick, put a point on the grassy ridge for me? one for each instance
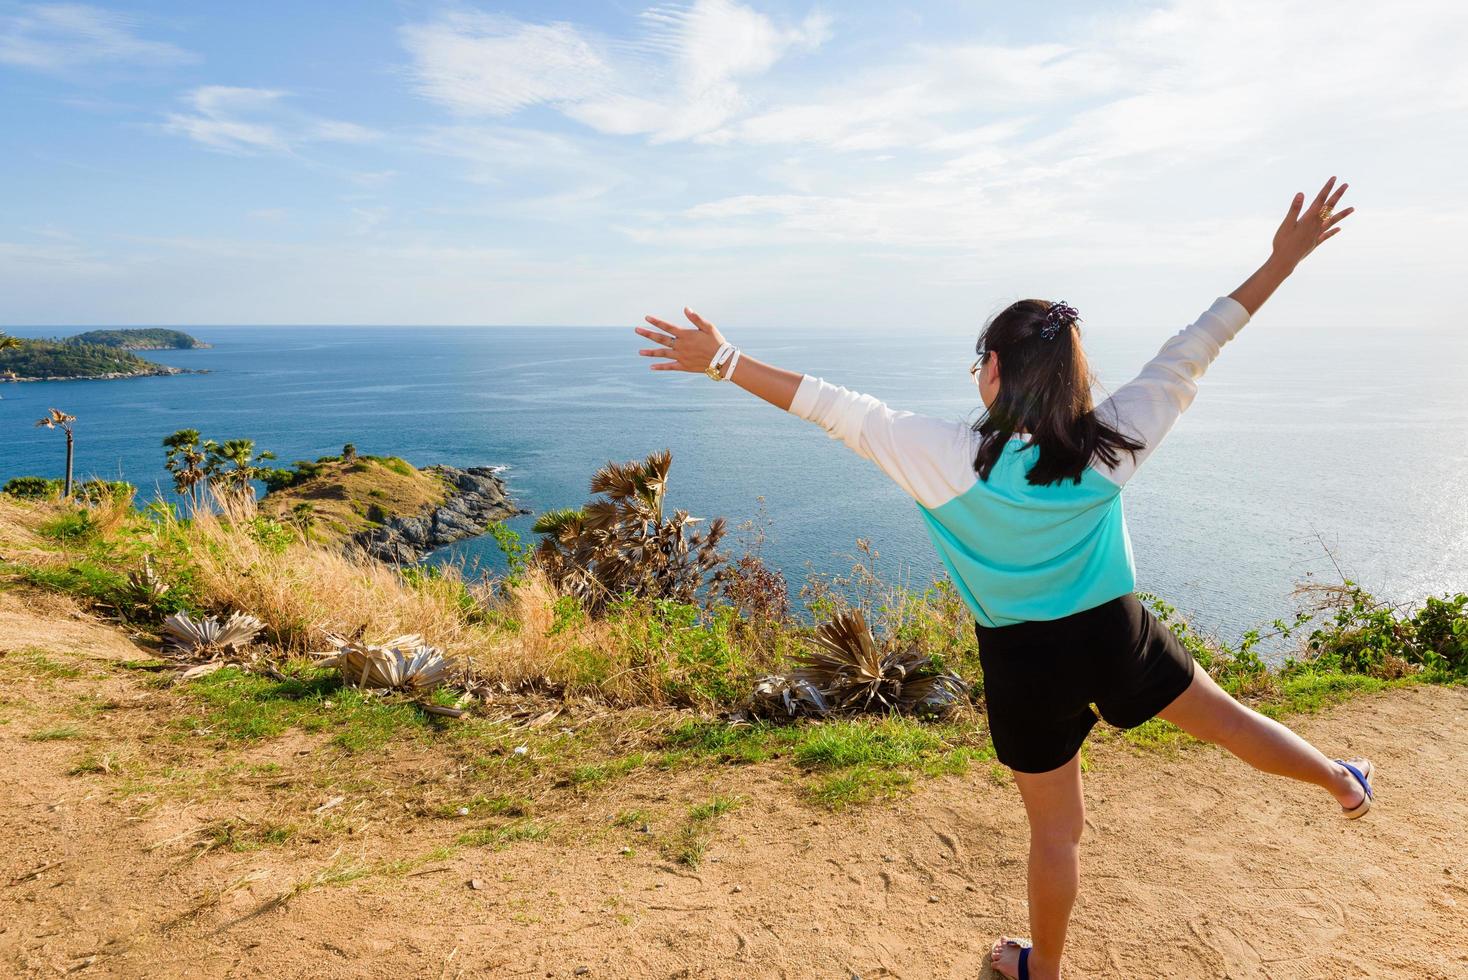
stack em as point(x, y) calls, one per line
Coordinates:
point(347, 496)
point(639, 656)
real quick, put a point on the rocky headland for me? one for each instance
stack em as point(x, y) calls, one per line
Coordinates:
point(476, 499)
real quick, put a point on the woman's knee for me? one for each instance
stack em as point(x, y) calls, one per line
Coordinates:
point(1058, 832)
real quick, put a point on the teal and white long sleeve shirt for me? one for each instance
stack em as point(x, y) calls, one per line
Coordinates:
point(1019, 552)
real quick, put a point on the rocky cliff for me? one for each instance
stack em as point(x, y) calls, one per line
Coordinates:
point(477, 498)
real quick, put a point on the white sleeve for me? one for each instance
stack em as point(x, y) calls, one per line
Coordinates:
point(1147, 407)
point(929, 458)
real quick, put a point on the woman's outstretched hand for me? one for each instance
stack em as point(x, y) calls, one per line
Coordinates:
point(686, 350)
point(1299, 233)
point(1301, 230)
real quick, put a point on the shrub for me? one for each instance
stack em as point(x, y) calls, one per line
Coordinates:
point(31, 487)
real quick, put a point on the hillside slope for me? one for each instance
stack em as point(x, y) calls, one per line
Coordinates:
point(145, 843)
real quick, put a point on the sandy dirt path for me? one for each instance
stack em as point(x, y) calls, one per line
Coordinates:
point(1193, 866)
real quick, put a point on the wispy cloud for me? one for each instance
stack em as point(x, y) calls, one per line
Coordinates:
point(62, 36)
point(256, 120)
point(679, 77)
point(989, 142)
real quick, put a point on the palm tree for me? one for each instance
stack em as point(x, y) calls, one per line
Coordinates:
point(8, 342)
point(186, 463)
point(57, 419)
point(241, 454)
point(621, 542)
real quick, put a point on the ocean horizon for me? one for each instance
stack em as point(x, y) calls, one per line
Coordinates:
point(1305, 456)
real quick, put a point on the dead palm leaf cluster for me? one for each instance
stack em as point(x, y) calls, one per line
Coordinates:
point(145, 588)
point(620, 543)
point(405, 663)
point(848, 671)
point(209, 638)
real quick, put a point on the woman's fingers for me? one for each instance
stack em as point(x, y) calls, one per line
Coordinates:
point(657, 352)
point(1320, 198)
point(1338, 217)
point(1293, 214)
point(1329, 234)
point(665, 325)
point(697, 320)
point(654, 336)
point(1331, 203)
point(667, 366)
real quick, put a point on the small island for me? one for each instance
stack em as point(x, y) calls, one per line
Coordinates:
point(384, 505)
point(140, 338)
point(97, 355)
point(59, 360)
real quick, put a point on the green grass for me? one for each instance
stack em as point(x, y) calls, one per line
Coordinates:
point(689, 843)
point(57, 734)
point(39, 662)
point(851, 761)
point(238, 705)
point(595, 774)
point(503, 836)
point(242, 836)
point(483, 805)
point(631, 818)
point(714, 808)
point(861, 784)
point(82, 577)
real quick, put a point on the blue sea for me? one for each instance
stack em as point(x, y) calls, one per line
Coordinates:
point(1305, 449)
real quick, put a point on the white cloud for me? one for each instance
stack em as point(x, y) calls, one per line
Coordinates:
point(61, 36)
point(1068, 140)
point(678, 79)
point(253, 120)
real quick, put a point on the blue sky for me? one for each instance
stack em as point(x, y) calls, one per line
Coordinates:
point(845, 166)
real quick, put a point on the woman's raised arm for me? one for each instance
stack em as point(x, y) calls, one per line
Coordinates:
point(929, 458)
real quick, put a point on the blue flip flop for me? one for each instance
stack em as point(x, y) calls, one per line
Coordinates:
point(1361, 769)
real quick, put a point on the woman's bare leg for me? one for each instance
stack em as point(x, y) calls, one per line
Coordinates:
point(1057, 815)
point(1206, 711)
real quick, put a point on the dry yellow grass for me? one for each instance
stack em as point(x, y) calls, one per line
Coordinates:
point(345, 496)
point(233, 558)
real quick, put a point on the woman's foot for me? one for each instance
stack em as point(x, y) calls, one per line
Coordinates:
point(1353, 789)
point(1005, 955)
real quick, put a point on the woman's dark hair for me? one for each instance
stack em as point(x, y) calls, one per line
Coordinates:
point(1045, 390)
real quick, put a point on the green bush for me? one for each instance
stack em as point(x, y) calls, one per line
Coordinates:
point(71, 527)
point(32, 487)
point(1366, 636)
point(104, 491)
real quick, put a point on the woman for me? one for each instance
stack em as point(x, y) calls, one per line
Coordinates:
point(1025, 511)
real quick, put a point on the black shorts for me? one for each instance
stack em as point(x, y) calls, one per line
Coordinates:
point(1041, 679)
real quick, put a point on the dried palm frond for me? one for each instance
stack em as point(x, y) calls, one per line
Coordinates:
point(145, 587)
point(208, 638)
point(849, 671)
point(404, 663)
point(787, 697)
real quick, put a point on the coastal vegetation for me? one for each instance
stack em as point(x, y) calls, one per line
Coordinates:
point(139, 338)
point(710, 648)
point(339, 496)
point(55, 360)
